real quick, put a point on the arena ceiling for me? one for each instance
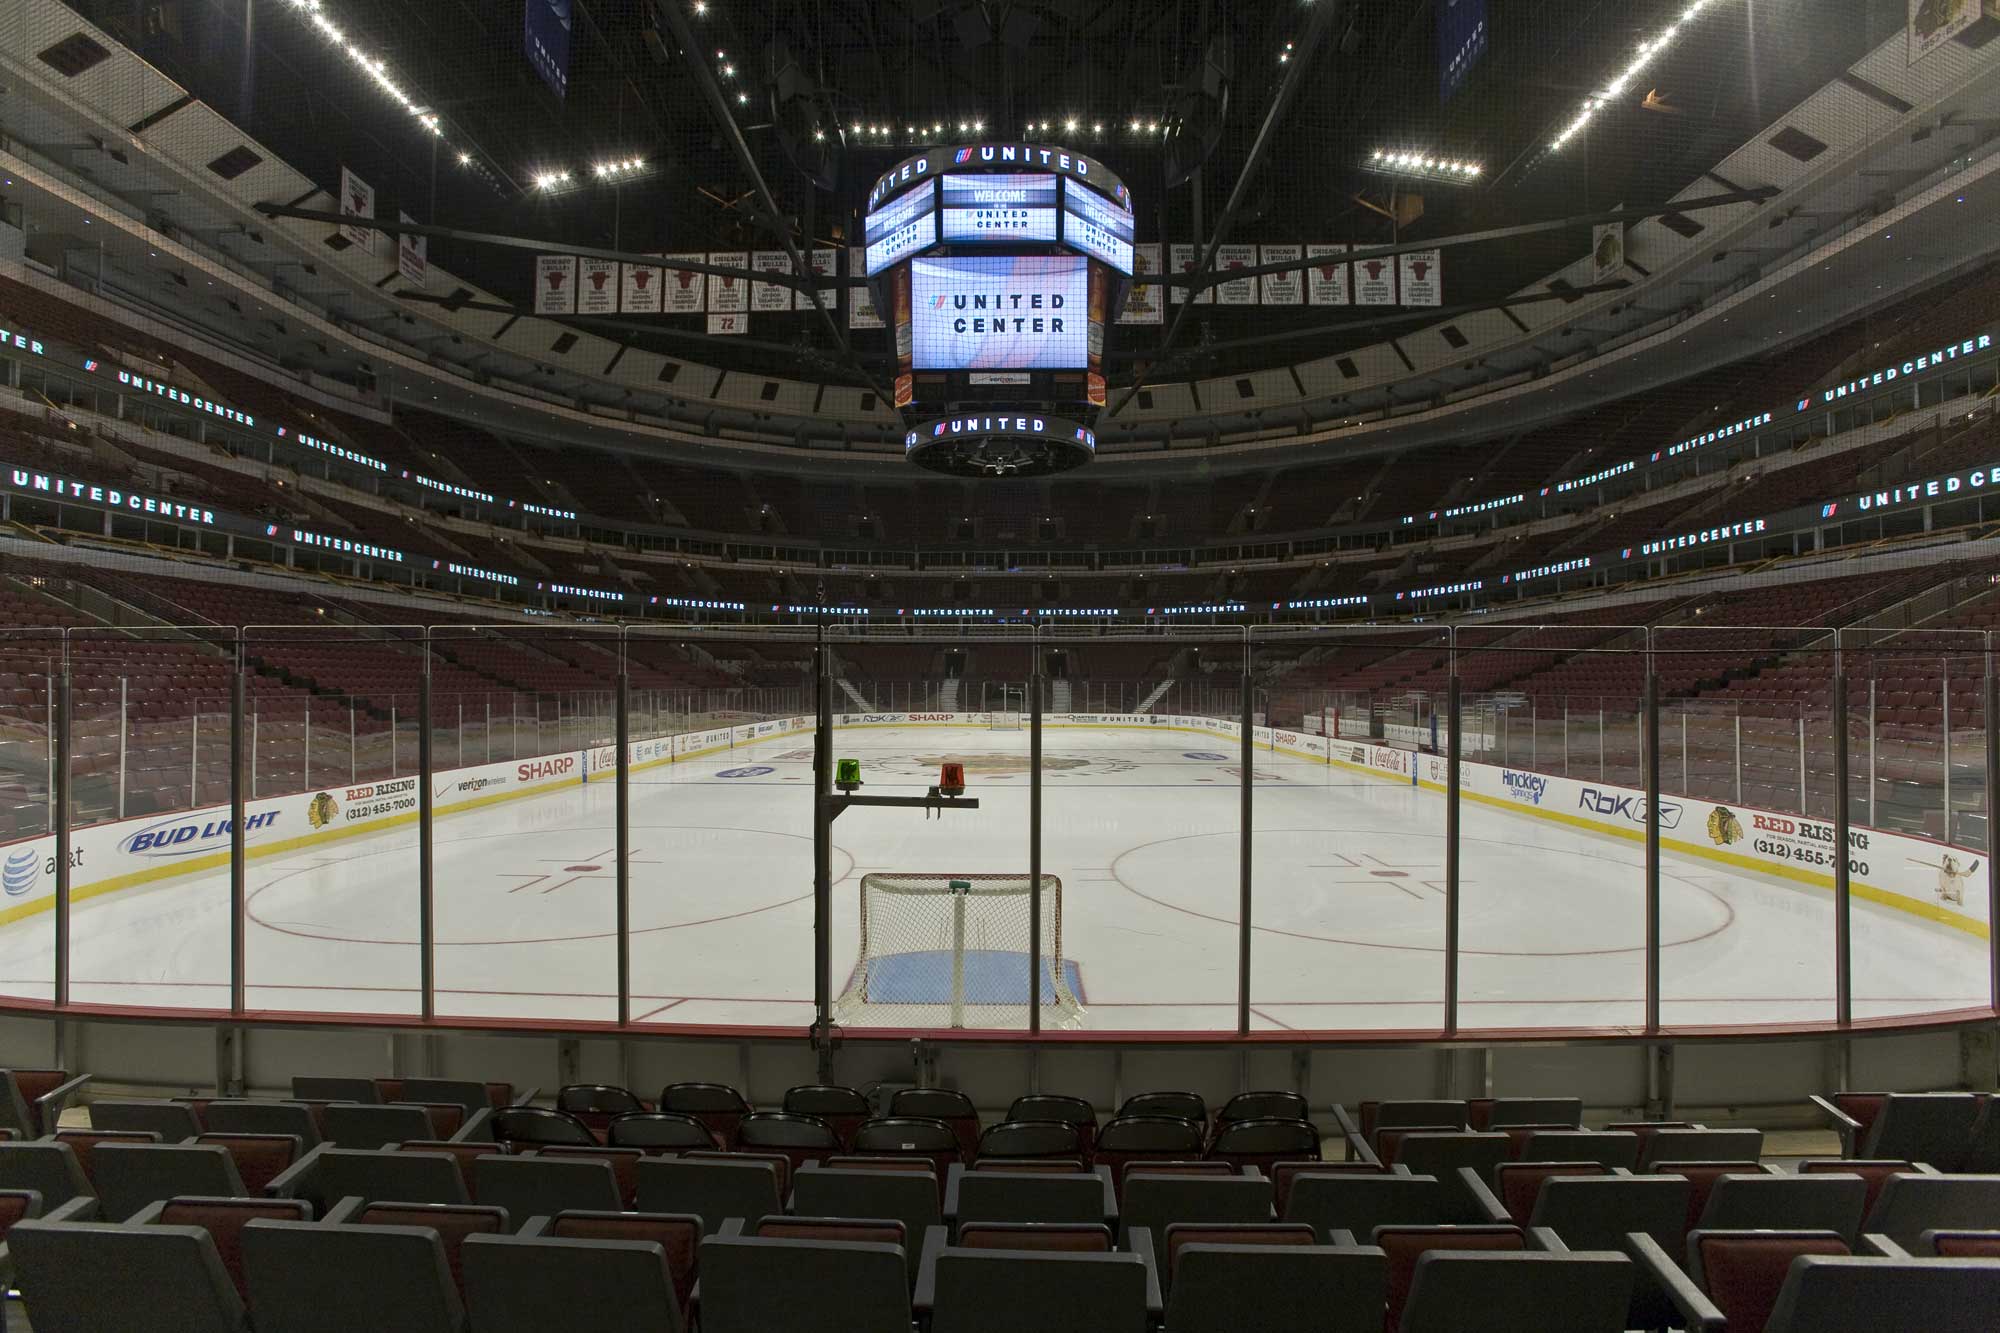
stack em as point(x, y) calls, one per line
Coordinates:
point(634, 92)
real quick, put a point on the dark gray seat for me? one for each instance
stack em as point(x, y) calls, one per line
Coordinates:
point(1441, 1154)
point(1358, 1203)
point(1757, 1202)
point(1930, 1127)
point(1605, 1147)
point(532, 1284)
point(537, 1186)
point(1454, 1291)
point(1017, 1196)
point(327, 1175)
point(1830, 1295)
point(468, 1093)
point(254, 1117)
point(86, 1277)
point(1277, 1289)
point(752, 1285)
point(320, 1088)
point(1003, 1291)
point(659, 1131)
point(172, 1121)
point(1598, 1212)
point(315, 1277)
point(1156, 1202)
point(1701, 1145)
point(1911, 1204)
point(132, 1175)
point(904, 1196)
point(353, 1125)
point(1505, 1112)
point(47, 1167)
point(714, 1191)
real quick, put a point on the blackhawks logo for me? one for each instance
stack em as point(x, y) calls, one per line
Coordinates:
point(322, 811)
point(1724, 827)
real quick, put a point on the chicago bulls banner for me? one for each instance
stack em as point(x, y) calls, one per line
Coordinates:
point(1326, 284)
point(597, 287)
point(555, 284)
point(357, 200)
point(1422, 277)
point(686, 290)
point(1375, 282)
point(729, 295)
point(639, 292)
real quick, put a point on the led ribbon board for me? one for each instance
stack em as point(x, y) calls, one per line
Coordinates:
point(1000, 444)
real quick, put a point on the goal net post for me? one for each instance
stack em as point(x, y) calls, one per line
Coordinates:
point(951, 950)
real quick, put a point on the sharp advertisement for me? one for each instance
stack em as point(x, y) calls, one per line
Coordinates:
point(1000, 313)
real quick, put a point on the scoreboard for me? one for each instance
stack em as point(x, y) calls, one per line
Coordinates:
point(999, 267)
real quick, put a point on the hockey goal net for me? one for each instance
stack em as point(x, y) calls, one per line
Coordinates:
point(1008, 721)
point(946, 950)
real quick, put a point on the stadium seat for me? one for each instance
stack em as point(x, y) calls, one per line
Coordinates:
point(1030, 1138)
point(1009, 1196)
point(1128, 1140)
point(327, 1175)
point(535, 1185)
point(1872, 1295)
point(716, 1105)
point(752, 1285)
point(46, 1166)
point(259, 1158)
point(714, 1191)
point(843, 1109)
point(521, 1127)
point(677, 1234)
point(32, 1100)
point(132, 1175)
point(903, 1196)
point(1357, 1203)
point(953, 1108)
point(172, 1121)
point(1070, 1110)
point(659, 1131)
point(323, 1277)
point(1155, 1202)
point(1261, 1288)
point(77, 1276)
point(223, 1220)
point(1584, 1292)
point(994, 1290)
point(529, 1284)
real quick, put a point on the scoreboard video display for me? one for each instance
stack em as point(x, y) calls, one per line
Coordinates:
point(1000, 312)
point(1098, 227)
point(980, 209)
point(901, 227)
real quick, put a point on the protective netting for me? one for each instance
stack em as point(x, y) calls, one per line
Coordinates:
point(946, 950)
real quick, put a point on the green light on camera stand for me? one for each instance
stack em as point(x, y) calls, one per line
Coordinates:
point(847, 774)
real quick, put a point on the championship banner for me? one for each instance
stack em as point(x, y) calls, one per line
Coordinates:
point(1144, 305)
point(728, 295)
point(768, 297)
point(1935, 22)
point(1422, 275)
point(1607, 251)
point(823, 266)
point(357, 200)
point(1282, 288)
point(861, 312)
point(555, 284)
point(1375, 282)
point(413, 254)
point(639, 289)
point(1185, 257)
point(597, 287)
point(723, 326)
point(906, 338)
point(686, 289)
point(1326, 284)
point(1243, 291)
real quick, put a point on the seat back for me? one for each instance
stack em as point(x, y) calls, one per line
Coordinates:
point(716, 1105)
point(1237, 1288)
point(1702, 1177)
point(311, 1277)
point(1610, 1148)
point(1183, 1234)
point(659, 1131)
point(1177, 1105)
point(132, 1175)
point(536, 1185)
point(1930, 1127)
point(1007, 1196)
point(1031, 1138)
point(624, 1164)
point(471, 1095)
point(1441, 1153)
point(596, 1103)
point(1598, 1212)
point(1360, 1203)
point(17, 1206)
point(714, 1191)
point(1262, 1143)
point(952, 1108)
point(404, 1177)
point(1582, 1292)
point(906, 1198)
point(48, 1167)
point(1262, 1106)
point(1519, 1183)
point(259, 1158)
point(1416, 1114)
point(1501, 1112)
point(84, 1142)
point(521, 1127)
point(85, 1275)
point(224, 1220)
point(311, 1088)
point(1701, 1145)
point(1874, 1172)
point(1000, 1291)
point(1961, 1244)
point(1739, 1202)
point(1157, 1202)
point(462, 1153)
point(1129, 1139)
point(254, 1117)
point(452, 1221)
point(353, 1125)
point(677, 1234)
point(530, 1284)
point(751, 1285)
point(797, 1138)
point(1910, 1205)
point(172, 1121)
point(1743, 1271)
point(1402, 1246)
point(1053, 1106)
point(843, 1108)
point(802, 1226)
point(1833, 1295)
point(1282, 1175)
point(1073, 1237)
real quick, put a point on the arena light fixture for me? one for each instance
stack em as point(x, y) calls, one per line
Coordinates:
point(377, 69)
point(1648, 52)
point(1428, 165)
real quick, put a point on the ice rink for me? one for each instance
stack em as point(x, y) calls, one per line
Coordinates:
point(1140, 826)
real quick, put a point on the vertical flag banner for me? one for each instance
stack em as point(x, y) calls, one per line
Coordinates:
point(546, 39)
point(597, 287)
point(1375, 282)
point(1144, 305)
point(1282, 288)
point(1422, 275)
point(1243, 291)
point(769, 297)
point(824, 264)
point(686, 289)
point(906, 339)
point(723, 326)
point(1326, 284)
point(1185, 257)
point(1935, 22)
point(357, 200)
point(639, 289)
point(728, 295)
point(1461, 40)
point(413, 254)
point(555, 284)
point(861, 312)
point(1607, 251)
